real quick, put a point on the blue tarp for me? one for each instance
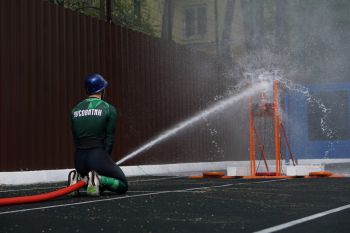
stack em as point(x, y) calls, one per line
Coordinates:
point(304, 117)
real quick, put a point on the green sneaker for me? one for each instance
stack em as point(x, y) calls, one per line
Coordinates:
point(93, 188)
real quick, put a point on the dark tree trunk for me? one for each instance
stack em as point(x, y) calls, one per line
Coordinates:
point(103, 13)
point(167, 22)
point(109, 11)
point(137, 8)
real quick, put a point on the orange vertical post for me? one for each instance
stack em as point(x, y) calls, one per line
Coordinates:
point(277, 128)
point(252, 146)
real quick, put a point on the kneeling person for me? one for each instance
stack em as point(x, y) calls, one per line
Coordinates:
point(93, 127)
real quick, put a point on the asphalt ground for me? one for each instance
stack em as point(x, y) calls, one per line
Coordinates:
point(178, 204)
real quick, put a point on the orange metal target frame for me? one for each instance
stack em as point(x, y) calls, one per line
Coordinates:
point(267, 110)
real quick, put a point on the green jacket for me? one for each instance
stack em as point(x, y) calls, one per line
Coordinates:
point(93, 124)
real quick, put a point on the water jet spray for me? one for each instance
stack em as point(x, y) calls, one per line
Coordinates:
point(217, 107)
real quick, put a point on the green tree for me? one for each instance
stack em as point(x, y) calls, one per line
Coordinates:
point(132, 14)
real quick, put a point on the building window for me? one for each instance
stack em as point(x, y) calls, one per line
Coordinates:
point(195, 21)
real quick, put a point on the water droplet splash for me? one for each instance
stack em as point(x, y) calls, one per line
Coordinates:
point(255, 81)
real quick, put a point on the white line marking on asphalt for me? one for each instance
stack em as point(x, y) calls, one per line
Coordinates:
point(302, 220)
point(156, 179)
point(133, 196)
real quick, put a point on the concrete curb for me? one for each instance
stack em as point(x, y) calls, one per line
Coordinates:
point(50, 176)
point(177, 169)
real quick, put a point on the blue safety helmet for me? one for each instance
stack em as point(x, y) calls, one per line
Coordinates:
point(95, 83)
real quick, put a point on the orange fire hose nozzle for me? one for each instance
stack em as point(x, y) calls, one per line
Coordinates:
point(41, 197)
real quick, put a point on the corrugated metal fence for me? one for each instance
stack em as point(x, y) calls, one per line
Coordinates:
point(46, 51)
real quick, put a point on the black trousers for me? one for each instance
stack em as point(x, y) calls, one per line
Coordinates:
point(98, 159)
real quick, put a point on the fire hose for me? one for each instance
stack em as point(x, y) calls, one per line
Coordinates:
point(42, 197)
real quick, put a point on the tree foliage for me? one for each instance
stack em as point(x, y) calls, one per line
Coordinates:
point(132, 14)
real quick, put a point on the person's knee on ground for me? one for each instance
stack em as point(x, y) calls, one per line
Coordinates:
point(113, 184)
